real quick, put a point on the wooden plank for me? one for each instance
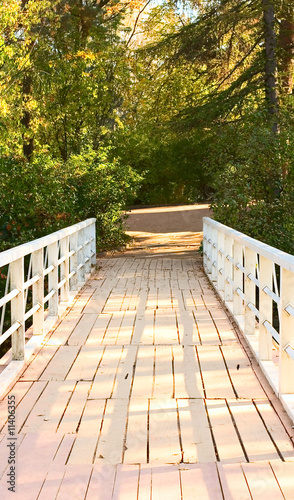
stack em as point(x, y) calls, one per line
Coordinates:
point(113, 329)
point(261, 481)
point(71, 417)
point(187, 382)
point(114, 302)
point(83, 450)
point(255, 438)
point(105, 376)
point(152, 298)
point(82, 300)
point(75, 482)
point(284, 472)
point(123, 380)
point(187, 299)
point(126, 482)
point(63, 331)
point(86, 363)
point(27, 403)
point(195, 433)
point(39, 363)
point(126, 328)
point(164, 445)
point(207, 330)
point(165, 327)
point(4, 454)
point(201, 481)
point(110, 445)
point(233, 482)
point(188, 330)
point(57, 469)
point(245, 382)
point(98, 331)
point(166, 482)
point(19, 390)
point(82, 330)
point(143, 378)
point(211, 362)
point(101, 482)
point(136, 441)
point(98, 300)
point(225, 330)
point(227, 442)
point(144, 328)
point(34, 457)
point(61, 363)
point(276, 429)
point(144, 492)
point(163, 382)
point(49, 408)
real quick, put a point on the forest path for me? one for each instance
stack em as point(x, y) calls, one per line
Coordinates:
point(175, 230)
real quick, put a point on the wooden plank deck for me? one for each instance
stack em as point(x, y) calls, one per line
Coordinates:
point(144, 392)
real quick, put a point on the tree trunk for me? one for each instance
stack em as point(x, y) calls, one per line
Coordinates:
point(28, 143)
point(270, 61)
point(286, 48)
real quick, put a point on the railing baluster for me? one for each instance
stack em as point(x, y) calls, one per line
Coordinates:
point(38, 291)
point(64, 269)
point(81, 257)
point(265, 308)
point(286, 376)
point(73, 262)
point(228, 268)
point(238, 278)
point(53, 278)
point(17, 308)
point(221, 264)
point(249, 315)
point(93, 243)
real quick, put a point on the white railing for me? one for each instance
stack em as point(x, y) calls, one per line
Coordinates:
point(256, 283)
point(42, 278)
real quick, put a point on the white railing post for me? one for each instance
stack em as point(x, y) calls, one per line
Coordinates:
point(238, 278)
point(64, 269)
point(93, 243)
point(220, 264)
point(205, 236)
point(38, 291)
point(228, 268)
point(209, 249)
point(87, 237)
point(81, 256)
point(214, 261)
point(265, 308)
point(249, 315)
point(286, 378)
point(17, 308)
point(53, 278)
point(73, 262)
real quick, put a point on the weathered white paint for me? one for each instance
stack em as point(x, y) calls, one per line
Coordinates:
point(71, 251)
point(243, 267)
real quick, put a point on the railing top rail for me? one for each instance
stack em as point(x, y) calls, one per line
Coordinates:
point(21, 250)
point(279, 257)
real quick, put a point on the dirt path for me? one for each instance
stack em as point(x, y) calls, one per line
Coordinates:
point(166, 230)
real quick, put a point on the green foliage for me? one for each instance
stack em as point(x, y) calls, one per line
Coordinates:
point(103, 189)
point(45, 195)
point(255, 182)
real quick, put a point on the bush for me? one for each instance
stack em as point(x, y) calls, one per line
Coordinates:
point(254, 189)
point(46, 195)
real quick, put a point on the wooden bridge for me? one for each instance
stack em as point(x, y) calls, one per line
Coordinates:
point(145, 389)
